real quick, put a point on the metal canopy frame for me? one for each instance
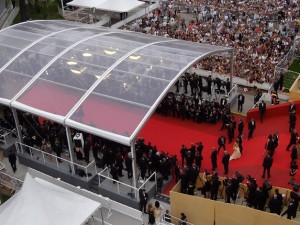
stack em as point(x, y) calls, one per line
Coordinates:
point(188, 53)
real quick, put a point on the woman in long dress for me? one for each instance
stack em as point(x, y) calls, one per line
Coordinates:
point(157, 212)
point(151, 218)
point(236, 151)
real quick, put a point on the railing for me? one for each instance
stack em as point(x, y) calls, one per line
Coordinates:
point(56, 162)
point(136, 15)
point(283, 66)
point(174, 220)
point(232, 94)
point(122, 188)
point(10, 182)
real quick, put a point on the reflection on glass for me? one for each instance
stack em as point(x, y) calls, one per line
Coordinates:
point(109, 52)
point(133, 57)
point(86, 54)
point(71, 63)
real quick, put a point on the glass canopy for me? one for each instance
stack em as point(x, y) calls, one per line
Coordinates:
point(104, 81)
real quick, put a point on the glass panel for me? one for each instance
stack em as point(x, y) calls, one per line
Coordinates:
point(131, 87)
point(90, 58)
point(173, 48)
point(29, 63)
point(6, 54)
point(57, 42)
point(41, 27)
point(155, 60)
point(117, 38)
point(159, 53)
point(50, 97)
point(103, 50)
point(109, 115)
point(11, 83)
point(148, 70)
point(14, 42)
point(72, 73)
point(21, 34)
point(136, 37)
point(46, 49)
point(30, 30)
point(69, 35)
point(61, 24)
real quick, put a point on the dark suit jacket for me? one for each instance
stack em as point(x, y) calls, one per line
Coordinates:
point(241, 98)
point(222, 140)
point(214, 155)
point(262, 107)
point(225, 159)
point(251, 126)
point(268, 161)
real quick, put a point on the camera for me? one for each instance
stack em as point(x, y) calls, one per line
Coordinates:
point(295, 186)
point(239, 177)
point(268, 185)
point(250, 180)
point(227, 181)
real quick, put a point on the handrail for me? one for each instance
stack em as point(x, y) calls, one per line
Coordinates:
point(10, 182)
point(85, 168)
point(174, 217)
point(136, 190)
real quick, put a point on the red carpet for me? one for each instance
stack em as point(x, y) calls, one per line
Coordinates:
point(168, 134)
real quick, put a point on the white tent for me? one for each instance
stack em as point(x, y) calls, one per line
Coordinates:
point(108, 5)
point(43, 203)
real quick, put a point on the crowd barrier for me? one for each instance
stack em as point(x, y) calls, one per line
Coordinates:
point(59, 163)
point(272, 111)
point(123, 188)
point(220, 213)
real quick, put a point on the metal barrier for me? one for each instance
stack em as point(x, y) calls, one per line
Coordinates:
point(56, 162)
point(232, 94)
point(10, 182)
point(174, 220)
point(123, 188)
point(136, 15)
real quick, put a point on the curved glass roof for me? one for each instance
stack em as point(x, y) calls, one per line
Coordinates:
point(104, 81)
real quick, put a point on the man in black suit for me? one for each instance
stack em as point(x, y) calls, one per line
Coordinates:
point(143, 199)
point(241, 100)
point(262, 110)
point(213, 158)
point(221, 143)
point(293, 139)
point(251, 128)
point(292, 120)
point(292, 107)
point(240, 127)
point(223, 102)
point(267, 164)
point(225, 161)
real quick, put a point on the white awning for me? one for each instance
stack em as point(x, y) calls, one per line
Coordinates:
point(43, 203)
point(108, 5)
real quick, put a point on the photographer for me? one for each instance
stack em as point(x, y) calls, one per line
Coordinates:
point(228, 189)
point(235, 183)
point(215, 183)
point(252, 186)
point(294, 198)
point(206, 189)
point(276, 202)
point(267, 186)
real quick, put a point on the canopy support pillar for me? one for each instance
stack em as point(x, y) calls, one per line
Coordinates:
point(16, 118)
point(134, 167)
point(70, 143)
point(231, 67)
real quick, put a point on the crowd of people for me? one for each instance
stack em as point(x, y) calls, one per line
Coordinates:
point(261, 32)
